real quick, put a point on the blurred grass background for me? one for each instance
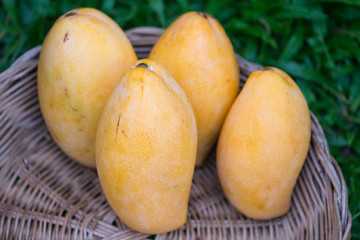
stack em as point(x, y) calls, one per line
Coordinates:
point(317, 42)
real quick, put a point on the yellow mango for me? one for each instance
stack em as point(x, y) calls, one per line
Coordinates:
point(198, 54)
point(263, 144)
point(146, 149)
point(83, 57)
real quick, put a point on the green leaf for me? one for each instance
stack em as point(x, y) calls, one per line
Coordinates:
point(344, 11)
point(306, 90)
point(184, 5)
point(222, 9)
point(320, 28)
point(310, 74)
point(251, 50)
point(350, 2)
point(11, 9)
point(158, 7)
point(337, 141)
point(354, 96)
point(293, 46)
point(123, 16)
point(108, 5)
point(300, 12)
point(238, 24)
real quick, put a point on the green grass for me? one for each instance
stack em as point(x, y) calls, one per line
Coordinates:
point(317, 42)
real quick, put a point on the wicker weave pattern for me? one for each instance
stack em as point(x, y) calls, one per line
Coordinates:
point(46, 195)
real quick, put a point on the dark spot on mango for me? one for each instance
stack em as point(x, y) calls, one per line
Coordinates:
point(282, 74)
point(143, 65)
point(66, 92)
point(260, 206)
point(124, 133)
point(204, 15)
point(117, 126)
point(266, 69)
point(74, 109)
point(69, 14)
point(66, 37)
point(86, 150)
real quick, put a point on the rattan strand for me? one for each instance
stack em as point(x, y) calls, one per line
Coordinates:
point(46, 195)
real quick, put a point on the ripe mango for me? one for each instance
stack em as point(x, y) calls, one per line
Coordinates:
point(263, 144)
point(199, 55)
point(82, 59)
point(146, 149)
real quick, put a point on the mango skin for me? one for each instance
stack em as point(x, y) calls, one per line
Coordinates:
point(146, 150)
point(82, 59)
point(199, 55)
point(263, 144)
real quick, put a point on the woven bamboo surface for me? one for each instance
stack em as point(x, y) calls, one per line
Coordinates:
point(46, 195)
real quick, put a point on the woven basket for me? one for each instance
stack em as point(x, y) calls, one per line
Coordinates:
point(46, 195)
